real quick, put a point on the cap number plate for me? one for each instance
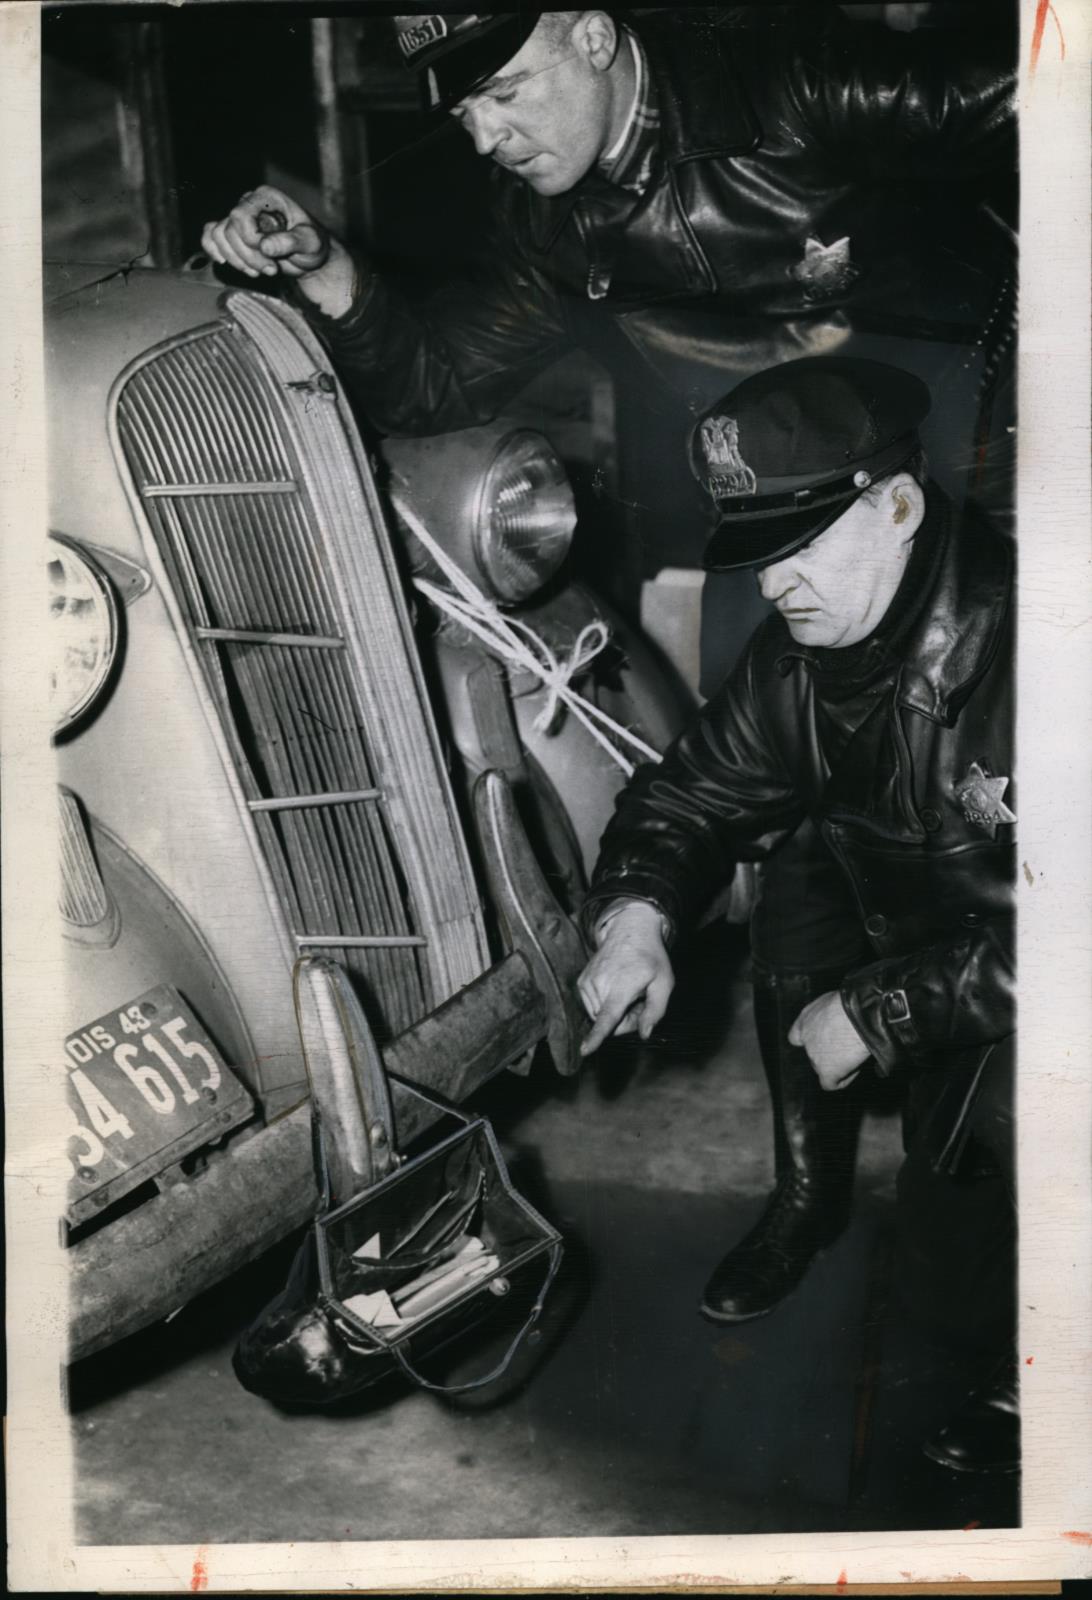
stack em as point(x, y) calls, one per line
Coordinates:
point(429, 30)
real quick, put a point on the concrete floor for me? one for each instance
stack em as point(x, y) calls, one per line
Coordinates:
point(634, 1416)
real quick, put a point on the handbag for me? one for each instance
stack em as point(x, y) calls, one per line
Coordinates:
point(402, 1269)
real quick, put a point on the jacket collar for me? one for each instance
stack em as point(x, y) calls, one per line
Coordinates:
point(956, 634)
point(704, 108)
point(704, 113)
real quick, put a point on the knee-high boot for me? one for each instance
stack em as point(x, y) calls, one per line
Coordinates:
point(984, 1434)
point(815, 1141)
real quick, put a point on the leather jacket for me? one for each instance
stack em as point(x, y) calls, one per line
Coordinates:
point(932, 880)
point(808, 181)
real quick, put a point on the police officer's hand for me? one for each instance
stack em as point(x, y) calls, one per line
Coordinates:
point(267, 233)
point(627, 983)
point(835, 1048)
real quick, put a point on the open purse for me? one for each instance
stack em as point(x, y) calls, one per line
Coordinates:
point(437, 1243)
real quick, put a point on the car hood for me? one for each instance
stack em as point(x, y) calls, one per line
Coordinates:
point(65, 277)
point(97, 321)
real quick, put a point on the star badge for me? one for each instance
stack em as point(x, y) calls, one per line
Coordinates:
point(980, 796)
point(826, 269)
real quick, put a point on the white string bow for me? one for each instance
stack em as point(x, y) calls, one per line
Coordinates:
point(517, 643)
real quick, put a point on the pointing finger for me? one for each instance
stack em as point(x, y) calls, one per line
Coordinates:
point(609, 1017)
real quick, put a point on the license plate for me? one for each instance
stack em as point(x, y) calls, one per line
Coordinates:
point(146, 1087)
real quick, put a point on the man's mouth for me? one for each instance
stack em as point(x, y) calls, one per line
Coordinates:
point(798, 611)
point(523, 161)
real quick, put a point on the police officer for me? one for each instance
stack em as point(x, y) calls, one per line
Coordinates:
point(876, 702)
point(703, 192)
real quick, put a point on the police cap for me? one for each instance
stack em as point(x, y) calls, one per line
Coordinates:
point(454, 51)
point(787, 451)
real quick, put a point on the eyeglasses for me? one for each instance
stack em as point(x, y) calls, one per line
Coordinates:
point(504, 90)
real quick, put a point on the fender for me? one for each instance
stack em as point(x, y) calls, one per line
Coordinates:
point(632, 688)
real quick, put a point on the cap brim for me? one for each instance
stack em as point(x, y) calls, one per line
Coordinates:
point(755, 541)
point(454, 72)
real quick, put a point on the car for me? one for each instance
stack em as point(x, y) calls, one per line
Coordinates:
point(281, 745)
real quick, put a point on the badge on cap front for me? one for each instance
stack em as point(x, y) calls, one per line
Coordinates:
point(728, 472)
point(422, 32)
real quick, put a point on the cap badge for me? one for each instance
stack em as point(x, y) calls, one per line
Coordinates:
point(826, 268)
point(423, 32)
point(728, 472)
point(980, 796)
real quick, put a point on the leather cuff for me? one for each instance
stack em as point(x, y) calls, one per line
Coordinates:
point(882, 1017)
point(365, 289)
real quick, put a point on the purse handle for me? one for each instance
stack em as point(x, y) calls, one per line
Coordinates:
point(320, 1161)
point(433, 1098)
point(505, 1362)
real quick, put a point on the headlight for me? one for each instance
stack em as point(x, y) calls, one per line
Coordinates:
point(84, 632)
point(525, 517)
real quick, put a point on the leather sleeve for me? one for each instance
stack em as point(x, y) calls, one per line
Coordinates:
point(933, 106)
point(454, 361)
point(951, 995)
point(721, 794)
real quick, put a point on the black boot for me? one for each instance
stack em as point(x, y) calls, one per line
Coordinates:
point(815, 1141)
point(964, 1183)
point(984, 1434)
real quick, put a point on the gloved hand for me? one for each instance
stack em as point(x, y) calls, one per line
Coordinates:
point(627, 983)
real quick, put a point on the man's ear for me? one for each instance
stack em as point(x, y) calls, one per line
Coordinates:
point(595, 37)
point(905, 499)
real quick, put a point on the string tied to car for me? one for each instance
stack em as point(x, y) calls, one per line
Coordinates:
point(520, 646)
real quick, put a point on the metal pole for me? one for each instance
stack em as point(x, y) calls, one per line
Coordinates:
point(148, 90)
point(328, 130)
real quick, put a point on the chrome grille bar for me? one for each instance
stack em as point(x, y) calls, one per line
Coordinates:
point(297, 641)
point(300, 802)
point(177, 491)
point(359, 942)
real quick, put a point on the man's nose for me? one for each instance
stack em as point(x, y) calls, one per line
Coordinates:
point(485, 128)
point(776, 580)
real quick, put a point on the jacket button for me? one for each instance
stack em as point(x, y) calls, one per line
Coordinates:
point(876, 926)
point(971, 919)
point(930, 820)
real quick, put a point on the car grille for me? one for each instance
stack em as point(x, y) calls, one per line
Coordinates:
point(263, 511)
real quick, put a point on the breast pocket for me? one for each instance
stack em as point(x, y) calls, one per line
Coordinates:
point(910, 895)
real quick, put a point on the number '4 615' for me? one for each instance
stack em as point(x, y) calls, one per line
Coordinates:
point(159, 1090)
